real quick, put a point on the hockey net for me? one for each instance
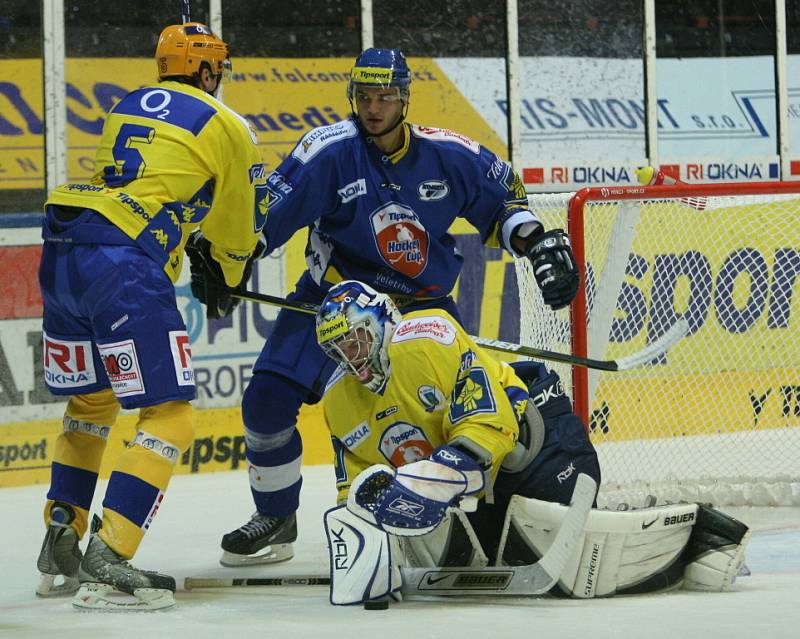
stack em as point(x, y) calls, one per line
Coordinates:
point(716, 419)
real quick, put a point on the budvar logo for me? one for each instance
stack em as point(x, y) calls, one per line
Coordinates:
point(436, 328)
point(68, 364)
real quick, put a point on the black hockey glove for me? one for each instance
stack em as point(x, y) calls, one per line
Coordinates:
point(208, 281)
point(554, 267)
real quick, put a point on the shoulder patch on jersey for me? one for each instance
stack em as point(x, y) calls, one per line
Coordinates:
point(433, 327)
point(471, 395)
point(431, 397)
point(317, 139)
point(445, 135)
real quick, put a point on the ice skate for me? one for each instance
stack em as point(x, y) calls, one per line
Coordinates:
point(60, 556)
point(109, 582)
point(262, 540)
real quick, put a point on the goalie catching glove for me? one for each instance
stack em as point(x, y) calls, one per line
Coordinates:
point(413, 499)
point(208, 281)
point(553, 264)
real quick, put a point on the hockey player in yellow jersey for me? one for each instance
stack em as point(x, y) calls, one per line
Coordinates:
point(421, 418)
point(175, 169)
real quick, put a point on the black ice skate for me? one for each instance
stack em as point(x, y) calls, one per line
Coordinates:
point(109, 582)
point(60, 556)
point(262, 540)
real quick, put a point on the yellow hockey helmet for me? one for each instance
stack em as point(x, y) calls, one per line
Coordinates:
point(182, 48)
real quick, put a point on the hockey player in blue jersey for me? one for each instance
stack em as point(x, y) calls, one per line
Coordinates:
point(377, 195)
point(172, 159)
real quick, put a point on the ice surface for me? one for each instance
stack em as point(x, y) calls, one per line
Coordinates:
point(198, 510)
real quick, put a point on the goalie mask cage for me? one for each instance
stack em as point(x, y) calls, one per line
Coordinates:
point(717, 418)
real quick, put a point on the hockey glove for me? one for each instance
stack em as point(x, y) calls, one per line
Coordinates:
point(413, 499)
point(208, 282)
point(554, 267)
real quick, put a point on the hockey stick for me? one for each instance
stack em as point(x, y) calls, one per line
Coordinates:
point(533, 579)
point(211, 582)
point(677, 331)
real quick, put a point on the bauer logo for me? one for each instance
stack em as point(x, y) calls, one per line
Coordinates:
point(432, 190)
point(353, 190)
point(404, 443)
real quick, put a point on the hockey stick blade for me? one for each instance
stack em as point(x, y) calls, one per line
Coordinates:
point(193, 583)
point(533, 579)
point(647, 354)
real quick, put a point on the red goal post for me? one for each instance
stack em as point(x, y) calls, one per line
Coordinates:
point(717, 418)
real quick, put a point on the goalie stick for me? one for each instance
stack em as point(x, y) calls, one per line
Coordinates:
point(660, 346)
point(533, 579)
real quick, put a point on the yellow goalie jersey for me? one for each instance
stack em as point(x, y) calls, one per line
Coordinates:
point(172, 157)
point(441, 386)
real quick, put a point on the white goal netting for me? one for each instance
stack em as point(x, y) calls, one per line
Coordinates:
point(717, 419)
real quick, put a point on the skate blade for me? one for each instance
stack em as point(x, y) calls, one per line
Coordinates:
point(96, 596)
point(49, 588)
point(267, 555)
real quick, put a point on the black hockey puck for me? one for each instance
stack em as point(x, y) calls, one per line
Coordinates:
point(376, 604)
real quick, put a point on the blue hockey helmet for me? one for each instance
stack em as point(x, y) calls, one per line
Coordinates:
point(382, 68)
point(355, 324)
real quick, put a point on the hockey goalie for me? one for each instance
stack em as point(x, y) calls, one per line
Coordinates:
point(445, 457)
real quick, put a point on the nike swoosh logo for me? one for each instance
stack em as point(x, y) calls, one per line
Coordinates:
point(431, 580)
point(646, 526)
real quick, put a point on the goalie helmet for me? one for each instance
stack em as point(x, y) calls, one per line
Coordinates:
point(355, 324)
point(382, 68)
point(182, 49)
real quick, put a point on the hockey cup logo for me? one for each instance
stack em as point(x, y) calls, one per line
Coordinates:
point(402, 240)
point(433, 190)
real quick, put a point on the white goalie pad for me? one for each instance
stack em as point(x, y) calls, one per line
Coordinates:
point(619, 550)
point(362, 559)
point(451, 543)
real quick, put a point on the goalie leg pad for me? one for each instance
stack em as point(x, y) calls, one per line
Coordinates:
point(715, 553)
point(451, 543)
point(364, 560)
point(622, 552)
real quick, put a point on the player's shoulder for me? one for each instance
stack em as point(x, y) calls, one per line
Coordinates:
point(181, 105)
point(322, 139)
point(445, 138)
point(426, 327)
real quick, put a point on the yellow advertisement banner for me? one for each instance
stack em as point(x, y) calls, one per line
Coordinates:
point(281, 98)
point(26, 449)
